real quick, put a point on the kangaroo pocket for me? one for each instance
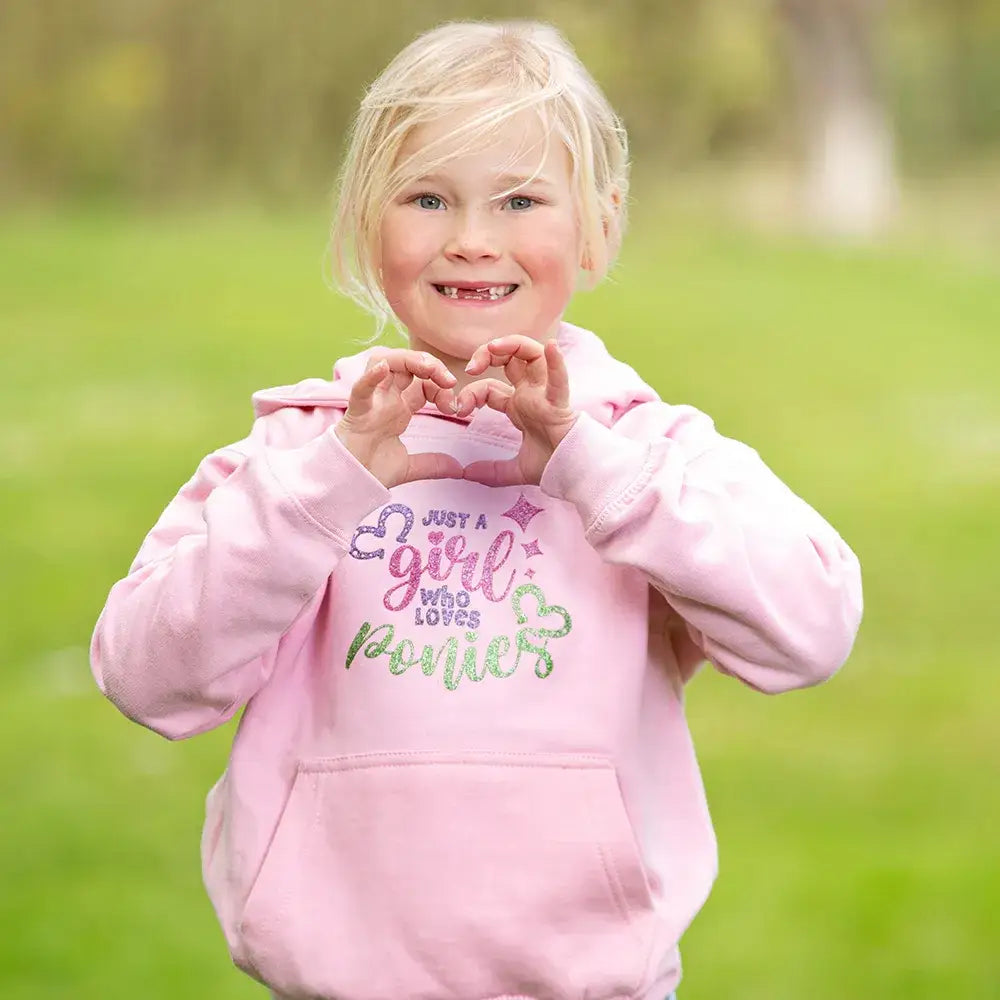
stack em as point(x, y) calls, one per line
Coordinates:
point(451, 877)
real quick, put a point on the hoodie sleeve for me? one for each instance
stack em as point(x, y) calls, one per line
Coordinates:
point(768, 590)
point(190, 635)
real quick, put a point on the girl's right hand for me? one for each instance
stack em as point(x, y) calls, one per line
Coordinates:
point(396, 384)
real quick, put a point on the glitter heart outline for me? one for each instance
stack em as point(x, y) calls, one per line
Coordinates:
point(379, 530)
point(542, 611)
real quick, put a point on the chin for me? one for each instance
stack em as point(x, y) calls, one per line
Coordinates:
point(459, 336)
point(462, 343)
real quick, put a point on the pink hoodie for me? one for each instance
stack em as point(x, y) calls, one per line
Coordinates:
point(464, 772)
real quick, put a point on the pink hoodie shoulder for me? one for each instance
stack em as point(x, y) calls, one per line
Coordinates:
point(190, 634)
point(767, 589)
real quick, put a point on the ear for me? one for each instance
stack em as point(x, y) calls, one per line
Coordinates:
point(615, 197)
point(609, 223)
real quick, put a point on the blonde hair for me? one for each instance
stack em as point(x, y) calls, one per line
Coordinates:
point(498, 69)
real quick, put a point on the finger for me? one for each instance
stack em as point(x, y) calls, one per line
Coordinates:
point(419, 364)
point(517, 346)
point(402, 380)
point(423, 391)
point(489, 392)
point(515, 370)
point(496, 352)
point(516, 343)
point(504, 351)
point(378, 360)
point(412, 393)
point(444, 399)
point(361, 394)
point(493, 472)
point(557, 388)
point(432, 465)
point(479, 360)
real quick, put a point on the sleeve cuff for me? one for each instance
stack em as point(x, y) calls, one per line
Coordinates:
point(328, 483)
point(594, 467)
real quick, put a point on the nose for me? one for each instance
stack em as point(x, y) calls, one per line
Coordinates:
point(472, 239)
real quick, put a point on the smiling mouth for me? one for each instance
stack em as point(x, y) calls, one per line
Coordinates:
point(486, 293)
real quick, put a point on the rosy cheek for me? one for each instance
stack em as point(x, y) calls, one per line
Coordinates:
point(399, 248)
point(552, 266)
point(399, 264)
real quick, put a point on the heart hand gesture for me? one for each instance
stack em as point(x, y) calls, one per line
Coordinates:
point(536, 400)
point(396, 384)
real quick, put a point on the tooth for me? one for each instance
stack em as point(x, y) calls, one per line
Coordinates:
point(492, 292)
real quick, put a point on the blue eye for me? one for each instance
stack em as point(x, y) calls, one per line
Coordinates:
point(430, 201)
point(520, 202)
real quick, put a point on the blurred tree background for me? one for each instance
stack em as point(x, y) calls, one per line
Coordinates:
point(813, 260)
point(151, 100)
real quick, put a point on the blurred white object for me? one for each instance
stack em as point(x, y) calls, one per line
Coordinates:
point(849, 184)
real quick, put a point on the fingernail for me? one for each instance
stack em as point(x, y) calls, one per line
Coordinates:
point(468, 367)
point(454, 406)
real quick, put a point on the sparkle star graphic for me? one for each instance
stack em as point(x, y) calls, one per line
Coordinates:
point(531, 548)
point(522, 512)
point(529, 573)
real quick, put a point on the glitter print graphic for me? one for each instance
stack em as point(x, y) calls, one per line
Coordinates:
point(445, 570)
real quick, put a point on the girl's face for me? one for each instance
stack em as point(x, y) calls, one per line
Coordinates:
point(461, 266)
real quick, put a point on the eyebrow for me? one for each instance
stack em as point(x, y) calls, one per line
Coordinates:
point(516, 180)
point(504, 181)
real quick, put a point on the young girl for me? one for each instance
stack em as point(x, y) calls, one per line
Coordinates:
point(458, 589)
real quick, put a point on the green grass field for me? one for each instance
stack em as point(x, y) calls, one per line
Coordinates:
point(857, 821)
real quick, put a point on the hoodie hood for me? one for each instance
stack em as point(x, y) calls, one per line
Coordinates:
point(599, 384)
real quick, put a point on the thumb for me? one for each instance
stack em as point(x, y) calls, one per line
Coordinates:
point(493, 472)
point(432, 465)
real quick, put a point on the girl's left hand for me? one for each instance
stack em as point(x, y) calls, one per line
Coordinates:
point(536, 401)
